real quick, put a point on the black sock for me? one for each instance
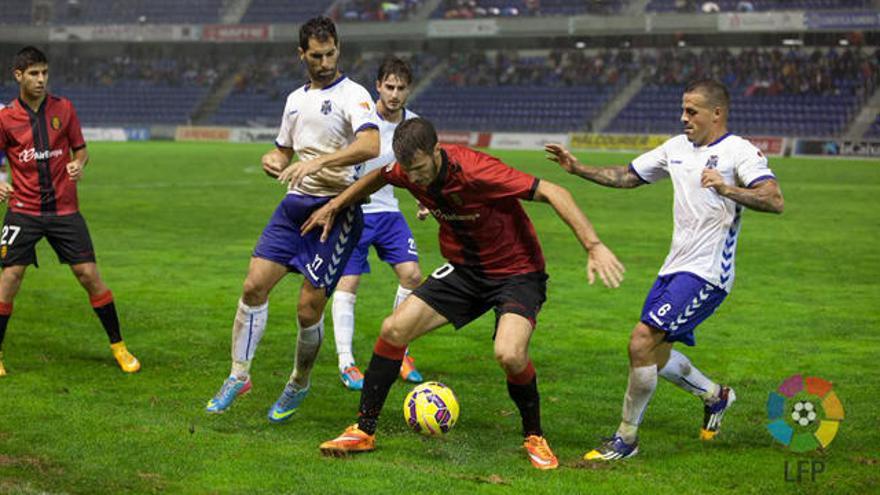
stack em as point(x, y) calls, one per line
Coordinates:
point(380, 375)
point(4, 320)
point(529, 404)
point(107, 314)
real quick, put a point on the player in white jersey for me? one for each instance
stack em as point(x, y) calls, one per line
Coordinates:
point(385, 229)
point(330, 124)
point(714, 175)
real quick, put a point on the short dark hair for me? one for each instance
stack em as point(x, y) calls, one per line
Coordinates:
point(28, 56)
point(413, 135)
point(715, 92)
point(393, 66)
point(321, 28)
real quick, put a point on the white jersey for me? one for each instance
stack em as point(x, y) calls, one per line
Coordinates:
point(706, 224)
point(383, 200)
point(318, 122)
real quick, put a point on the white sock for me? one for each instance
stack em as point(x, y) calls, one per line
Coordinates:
point(639, 390)
point(343, 327)
point(402, 293)
point(247, 330)
point(308, 343)
point(684, 375)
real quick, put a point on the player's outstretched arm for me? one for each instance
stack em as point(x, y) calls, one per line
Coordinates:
point(355, 193)
point(763, 196)
point(600, 259)
point(619, 177)
point(276, 160)
point(364, 147)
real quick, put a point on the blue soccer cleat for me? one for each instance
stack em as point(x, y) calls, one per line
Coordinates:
point(712, 415)
point(614, 449)
point(352, 378)
point(287, 404)
point(232, 388)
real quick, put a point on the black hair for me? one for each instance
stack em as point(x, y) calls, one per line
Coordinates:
point(28, 56)
point(716, 93)
point(321, 28)
point(393, 66)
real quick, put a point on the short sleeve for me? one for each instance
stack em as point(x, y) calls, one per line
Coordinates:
point(360, 110)
point(496, 180)
point(285, 131)
point(74, 131)
point(653, 165)
point(751, 166)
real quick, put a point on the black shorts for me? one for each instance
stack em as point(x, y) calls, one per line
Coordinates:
point(462, 295)
point(68, 235)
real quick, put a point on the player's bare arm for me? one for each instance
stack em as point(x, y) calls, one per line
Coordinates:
point(276, 160)
point(355, 193)
point(75, 166)
point(364, 147)
point(5, 191)
point(600, 259)
point(764, 196)
point(619, 177)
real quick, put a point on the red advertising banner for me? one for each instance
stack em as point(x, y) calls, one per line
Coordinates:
point(769, 145)
point(235, 32)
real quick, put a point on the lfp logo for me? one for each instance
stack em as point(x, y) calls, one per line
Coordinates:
point(797, 406)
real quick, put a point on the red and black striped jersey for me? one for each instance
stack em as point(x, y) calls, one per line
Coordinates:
point(38, 146)
point(475, 199)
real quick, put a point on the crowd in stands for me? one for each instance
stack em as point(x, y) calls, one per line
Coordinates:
point(713, 6)
point(376, 10)
point(558, 68)
point(770, 72)
point(202, 71)
point(469, 9)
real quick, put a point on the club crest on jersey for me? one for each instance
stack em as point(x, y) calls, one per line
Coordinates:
point(326, 108)
point(55, 122)
point(456, 199)
point(712, 162)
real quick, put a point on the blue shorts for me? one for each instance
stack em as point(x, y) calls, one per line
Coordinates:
point(389, 233)
point(678, 302)
point(321, 263)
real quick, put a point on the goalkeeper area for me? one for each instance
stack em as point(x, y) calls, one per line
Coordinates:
point(174, 224)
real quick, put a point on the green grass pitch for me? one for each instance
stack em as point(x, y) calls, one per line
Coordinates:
point(174, 225)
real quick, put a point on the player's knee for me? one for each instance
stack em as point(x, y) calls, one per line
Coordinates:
point(308, 312)
point(411, 280)
point(253, 293)
point(511, 361)
point(393, 333)
point(641, 345)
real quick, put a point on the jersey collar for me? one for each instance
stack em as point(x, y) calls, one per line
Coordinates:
point(29, 109)
point(325, 88)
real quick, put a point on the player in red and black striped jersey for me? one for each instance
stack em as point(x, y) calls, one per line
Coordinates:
point(43, 141)
point(495, 262)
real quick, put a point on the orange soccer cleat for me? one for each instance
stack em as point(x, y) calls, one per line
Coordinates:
point(352, 441)
point(539, 452)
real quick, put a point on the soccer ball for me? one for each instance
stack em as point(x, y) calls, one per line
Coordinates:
point(431, 409)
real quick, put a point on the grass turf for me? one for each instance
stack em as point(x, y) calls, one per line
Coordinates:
point(174, 224)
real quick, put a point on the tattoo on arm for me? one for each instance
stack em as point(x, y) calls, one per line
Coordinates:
point(619, 177)
point(765, 196)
